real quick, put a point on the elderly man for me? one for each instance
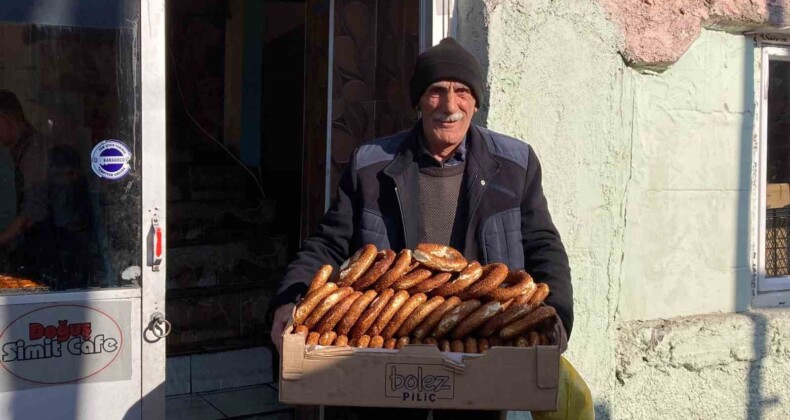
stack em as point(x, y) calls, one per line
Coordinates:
point(444, 181)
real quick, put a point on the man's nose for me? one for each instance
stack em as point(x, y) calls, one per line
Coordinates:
point(451, 102)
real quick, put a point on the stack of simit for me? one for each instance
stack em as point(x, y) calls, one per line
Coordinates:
point(431, 295)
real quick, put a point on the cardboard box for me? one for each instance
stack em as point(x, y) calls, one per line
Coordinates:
point(419, 376)
point(777, 195)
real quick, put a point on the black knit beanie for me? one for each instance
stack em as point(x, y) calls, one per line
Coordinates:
point(446, 61)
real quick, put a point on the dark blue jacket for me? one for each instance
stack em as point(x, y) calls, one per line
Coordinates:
point(509, 220)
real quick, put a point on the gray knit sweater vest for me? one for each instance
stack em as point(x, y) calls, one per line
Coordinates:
point(442, 208)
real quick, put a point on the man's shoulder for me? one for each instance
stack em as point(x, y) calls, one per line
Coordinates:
point(507, 147)
point(379, 150)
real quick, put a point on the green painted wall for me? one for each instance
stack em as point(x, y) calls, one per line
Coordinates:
point(687, 236)
point(648, 178)
point(555, 80)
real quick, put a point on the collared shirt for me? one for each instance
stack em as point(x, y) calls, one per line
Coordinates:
point(425, 157)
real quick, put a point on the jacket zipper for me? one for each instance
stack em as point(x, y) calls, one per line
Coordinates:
point(402, 219)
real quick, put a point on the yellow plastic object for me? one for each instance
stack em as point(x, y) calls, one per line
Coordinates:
point(575, 400)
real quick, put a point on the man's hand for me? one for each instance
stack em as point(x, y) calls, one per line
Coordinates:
point(281, 316)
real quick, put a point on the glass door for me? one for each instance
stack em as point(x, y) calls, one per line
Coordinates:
point(79, 196)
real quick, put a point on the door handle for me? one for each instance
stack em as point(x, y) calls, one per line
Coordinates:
point(159, 326)
point(156, 240)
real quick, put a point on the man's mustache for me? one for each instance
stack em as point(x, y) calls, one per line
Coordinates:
point(445, 117)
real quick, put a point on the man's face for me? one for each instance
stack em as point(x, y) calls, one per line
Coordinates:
point(447, 109)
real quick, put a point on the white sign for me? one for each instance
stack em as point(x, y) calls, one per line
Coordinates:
point(110, 159)
point(64, 343)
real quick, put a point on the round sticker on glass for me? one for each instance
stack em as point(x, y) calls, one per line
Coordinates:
point(110, 159)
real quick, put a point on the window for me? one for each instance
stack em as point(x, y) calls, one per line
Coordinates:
point(69, 123)
point(774, 202)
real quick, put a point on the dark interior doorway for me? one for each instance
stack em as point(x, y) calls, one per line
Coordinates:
point(235, 128)
point(250, 109)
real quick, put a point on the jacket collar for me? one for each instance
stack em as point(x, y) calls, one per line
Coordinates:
point(406, 154)
point(478, 153)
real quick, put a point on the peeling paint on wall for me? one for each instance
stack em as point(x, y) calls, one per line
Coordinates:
point(657, 32)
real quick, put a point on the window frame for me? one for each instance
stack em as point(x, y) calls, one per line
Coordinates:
point(768, 291)
point(45, 37)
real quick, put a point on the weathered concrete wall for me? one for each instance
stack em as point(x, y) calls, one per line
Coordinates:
point(555, 80)
point(731, 366)
point(648, 180)
point(658, 32)
point(687, 212)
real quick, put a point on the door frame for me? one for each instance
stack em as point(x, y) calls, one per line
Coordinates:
point(154, 203)
point(317, 93)
point(319, 60)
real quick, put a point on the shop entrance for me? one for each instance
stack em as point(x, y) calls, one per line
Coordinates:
point(235, 110)
point(187, 149)
point(264, 109)
point(234, 166)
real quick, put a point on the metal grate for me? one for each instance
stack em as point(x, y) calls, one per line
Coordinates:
point(777, 230)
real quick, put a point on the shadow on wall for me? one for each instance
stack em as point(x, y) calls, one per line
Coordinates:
point(136, 411)
point(754, 381)
point(602, 410)
point(473, 35)
point(756, 402)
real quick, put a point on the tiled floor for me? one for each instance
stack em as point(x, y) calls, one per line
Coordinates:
point(252, 402)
